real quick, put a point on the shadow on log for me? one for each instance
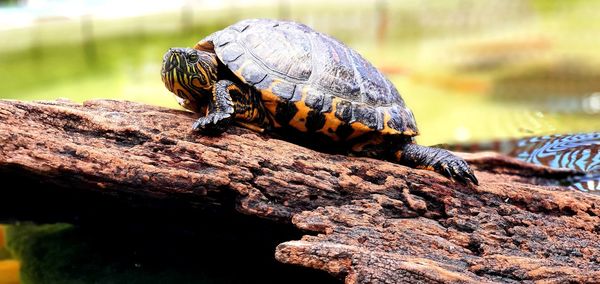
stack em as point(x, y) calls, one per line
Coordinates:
point(364, 220)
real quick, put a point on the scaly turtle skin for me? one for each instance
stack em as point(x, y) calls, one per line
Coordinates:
point(286, 78)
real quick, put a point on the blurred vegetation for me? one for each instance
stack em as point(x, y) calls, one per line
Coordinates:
point(8, 2)
point(470, 70)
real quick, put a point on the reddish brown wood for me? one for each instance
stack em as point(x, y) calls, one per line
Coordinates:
point(366, 221)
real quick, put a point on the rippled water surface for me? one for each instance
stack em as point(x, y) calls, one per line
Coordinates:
point(580, 152)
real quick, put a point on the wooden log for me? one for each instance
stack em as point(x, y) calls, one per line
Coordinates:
point(365, 220)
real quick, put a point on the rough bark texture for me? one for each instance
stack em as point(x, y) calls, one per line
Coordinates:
point(366, 221)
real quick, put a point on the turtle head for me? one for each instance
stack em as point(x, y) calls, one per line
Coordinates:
point(190, 74)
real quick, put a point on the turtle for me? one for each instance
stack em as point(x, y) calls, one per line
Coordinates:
point(284, 77)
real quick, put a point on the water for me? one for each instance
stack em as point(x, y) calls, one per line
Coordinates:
point(580, 152)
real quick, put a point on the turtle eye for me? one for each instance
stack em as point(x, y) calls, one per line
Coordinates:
point(193, 57)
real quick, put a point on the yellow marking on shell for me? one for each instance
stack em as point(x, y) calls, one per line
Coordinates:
point(359, 130)
point(386, 129)
point(270, 101)
point(331, 121)
point(410, 132)
point(299, 120)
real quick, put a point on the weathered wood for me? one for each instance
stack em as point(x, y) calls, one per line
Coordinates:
point(366, 220)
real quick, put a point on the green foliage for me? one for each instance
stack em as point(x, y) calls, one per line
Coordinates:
point(8, 2)
point(427, 41)
point(43, 72)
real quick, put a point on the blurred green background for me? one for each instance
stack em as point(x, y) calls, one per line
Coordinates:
point(470, 70)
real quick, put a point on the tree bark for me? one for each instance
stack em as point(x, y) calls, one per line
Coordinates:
point(365, 220)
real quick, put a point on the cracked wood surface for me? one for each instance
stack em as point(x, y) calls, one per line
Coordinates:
point(366, 221)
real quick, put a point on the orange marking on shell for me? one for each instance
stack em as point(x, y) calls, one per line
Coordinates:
point(386, 129)
point(271, 101)
point(331, 121)
point(299, 120)
point(359, 130)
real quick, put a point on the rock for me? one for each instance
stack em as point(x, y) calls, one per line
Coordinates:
point(365, 220)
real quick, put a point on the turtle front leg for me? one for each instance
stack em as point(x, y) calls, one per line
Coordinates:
point(220, 111)
point(232, 102)
point(437, 160)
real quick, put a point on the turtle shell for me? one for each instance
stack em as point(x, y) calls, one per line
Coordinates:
point(311, 81)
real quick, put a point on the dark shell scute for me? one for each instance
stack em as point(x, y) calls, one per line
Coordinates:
point(368, 116)
point(375, 88)
point(282, 49)
point(232, 53)
point(284, 89)
point(343, 111)
point(315, 100)
point(336, 73)
point(401, 119)
point(265, 84)
point(327, 102)
point(297, 96)
point(296, 63)
point(253, 74)
point(226, 37)
point(236, 64)
point(243, 25)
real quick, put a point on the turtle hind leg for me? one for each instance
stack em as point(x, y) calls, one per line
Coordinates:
point(437, 160)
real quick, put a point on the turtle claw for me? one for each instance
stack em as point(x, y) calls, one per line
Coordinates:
point(472, 177)
point(446, 171)
point(457, 169)
point(213, 124)
point(438, 160)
